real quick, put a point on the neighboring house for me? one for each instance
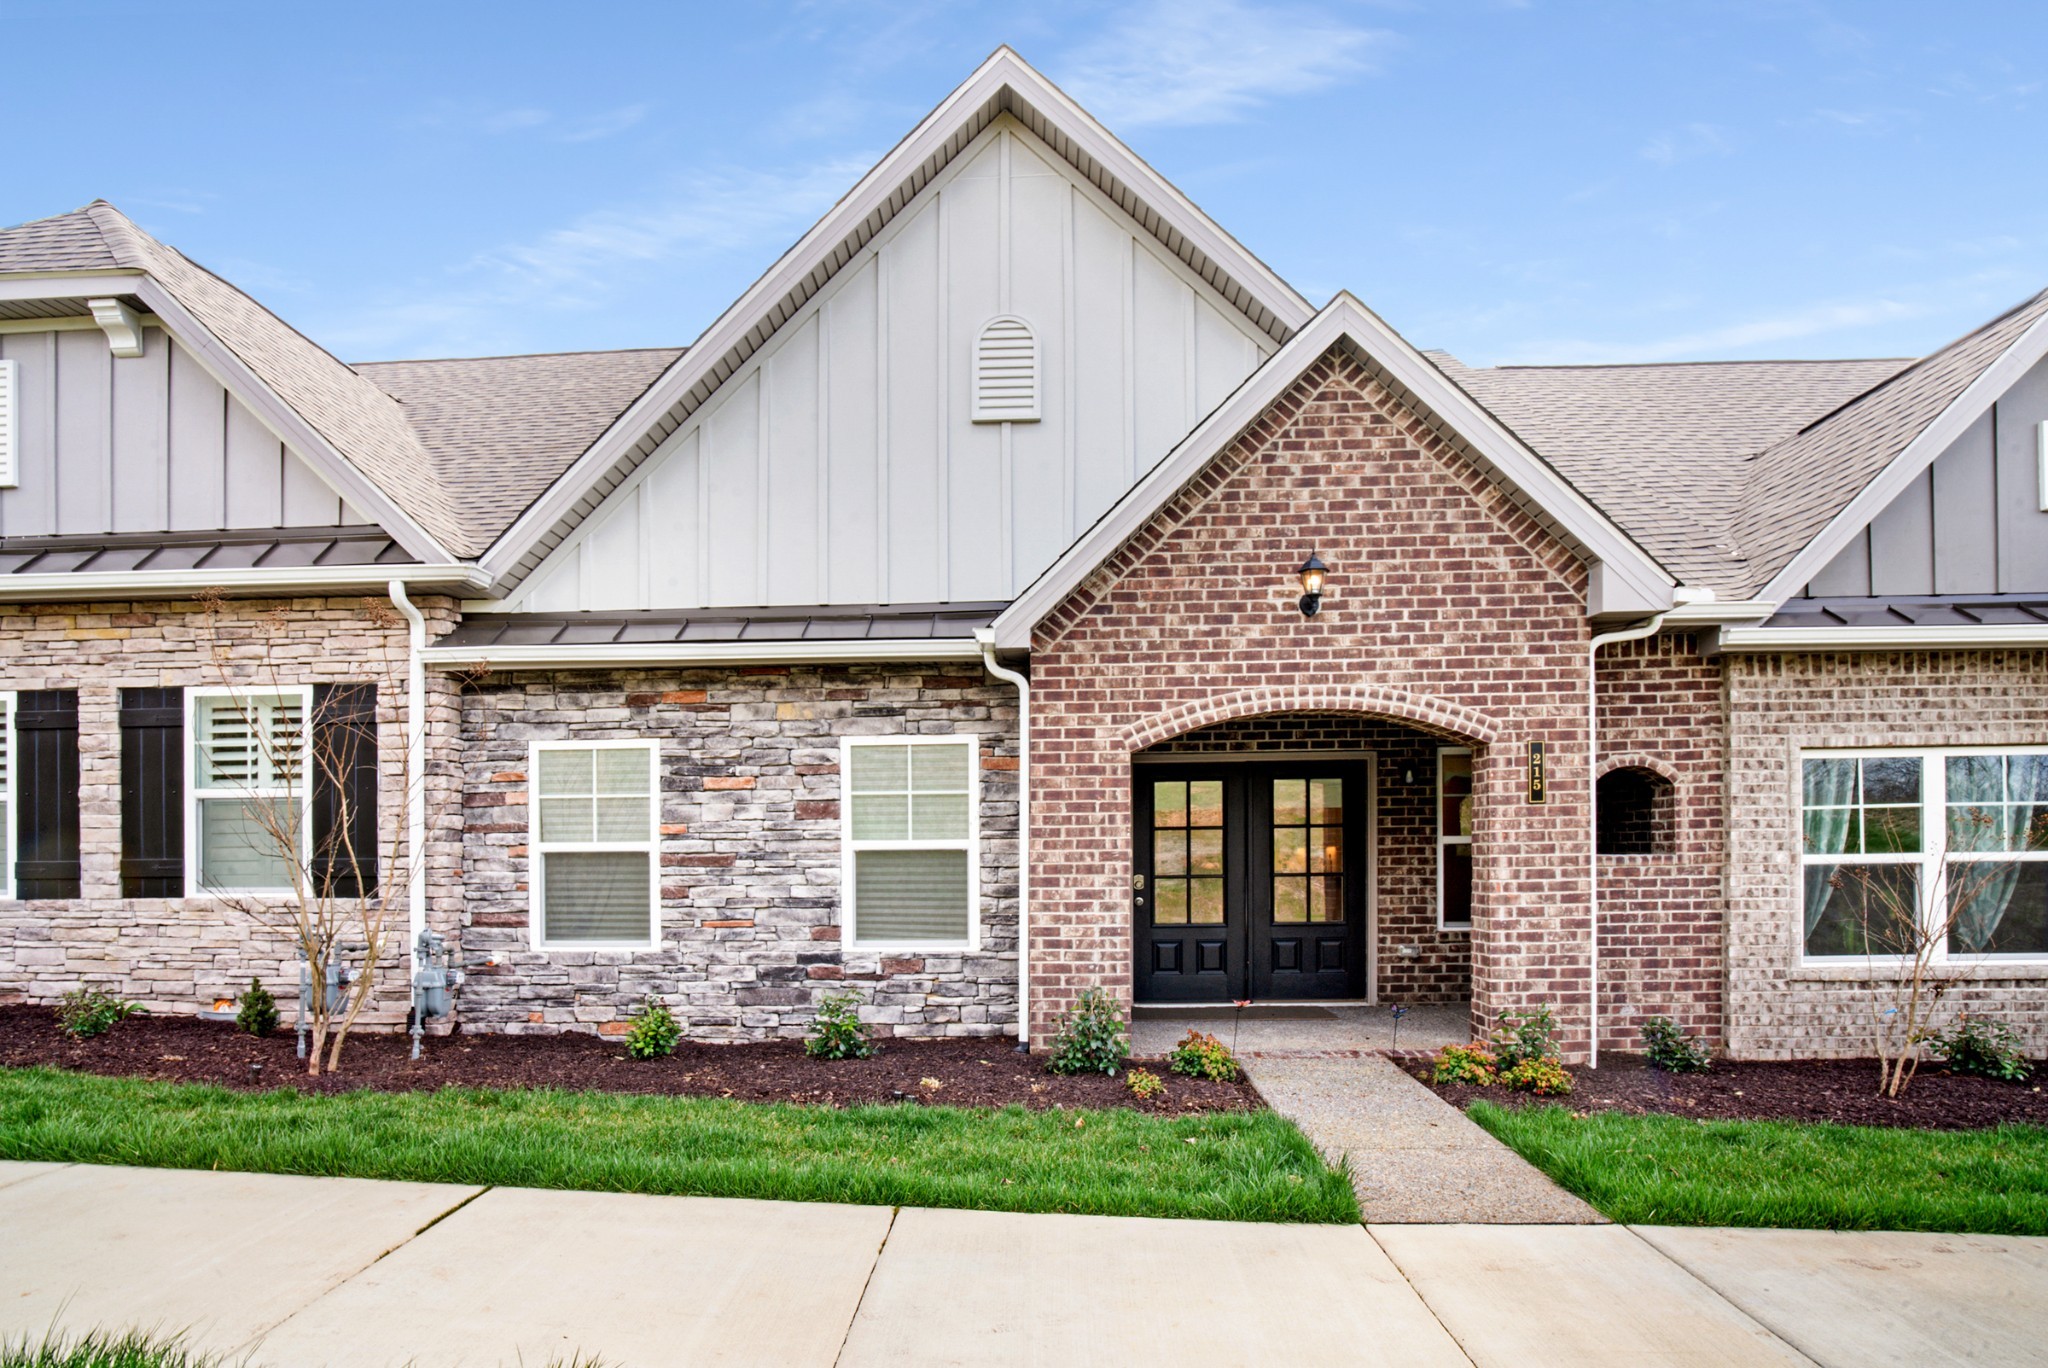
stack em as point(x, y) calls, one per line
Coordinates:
point(726, 648)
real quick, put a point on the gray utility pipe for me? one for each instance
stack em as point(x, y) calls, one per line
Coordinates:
point(987, 638)
point(1636, 633)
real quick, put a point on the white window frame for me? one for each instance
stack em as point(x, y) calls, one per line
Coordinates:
point(194, 796)
point(537, 850)
point(849, 914)
point(1436, 826)
point(1933, 833)
point(10, 830)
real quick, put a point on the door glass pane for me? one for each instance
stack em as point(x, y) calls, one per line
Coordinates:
point(1326, 903)
point(1169, 804)
point(1326, 802)
point(1290, 851)
point(1205, 902)
point(1205, 803)
point(1170, 902)
point(1326, 850)
point(1290, 802)
point(1205, 852)
point(1290, 900)
point(1169, 853)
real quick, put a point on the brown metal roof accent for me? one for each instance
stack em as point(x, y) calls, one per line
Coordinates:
point(868, 622)
point(1923, 610)
point(278, 548)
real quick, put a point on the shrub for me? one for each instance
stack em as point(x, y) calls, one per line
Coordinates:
point(1544, 1077)
point(259, 1010)
point(1090, 1037)
point(1523, 1037)
point(1464, 1064)
point(838, 1032)
point(1672, 1050)
point(1203, 1056)
point(87, 1012)
point(1145, 1085)
point(655, 1032)
point(1976, 1045)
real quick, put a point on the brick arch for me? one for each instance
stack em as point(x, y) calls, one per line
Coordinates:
point(1663, 769)
point(1431, 714)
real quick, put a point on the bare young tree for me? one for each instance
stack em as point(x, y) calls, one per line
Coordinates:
point(288, 785)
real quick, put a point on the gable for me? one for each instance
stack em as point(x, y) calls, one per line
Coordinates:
point(149, 443)
point(843, 461)
point(1973, 522)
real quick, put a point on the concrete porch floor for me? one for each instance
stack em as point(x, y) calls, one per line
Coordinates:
point(1283, 1028)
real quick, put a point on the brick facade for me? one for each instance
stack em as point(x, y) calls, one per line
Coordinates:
point(750, 850)
point(1448, 608)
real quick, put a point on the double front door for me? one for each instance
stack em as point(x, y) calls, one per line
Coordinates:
point(1249, 881)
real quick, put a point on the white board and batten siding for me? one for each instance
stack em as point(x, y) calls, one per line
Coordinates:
point(1974, 522)
point(864, 455)
point(149, 443)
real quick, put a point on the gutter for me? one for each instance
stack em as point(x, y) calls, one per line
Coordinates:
point(1733, 640)
point(850, 651)
point(986, 639)
point(323, 579)
point(415, 773)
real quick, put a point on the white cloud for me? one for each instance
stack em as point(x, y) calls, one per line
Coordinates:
point(1683, 144)
point(1210, 61)
point(492, 122)
point(1810, 321)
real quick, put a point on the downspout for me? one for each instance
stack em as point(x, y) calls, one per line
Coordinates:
point(987, 638)
point(1636, 633)
point(415, 774)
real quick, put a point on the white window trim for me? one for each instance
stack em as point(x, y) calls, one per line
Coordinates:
point(1436, 826)
point(193, 796)
point(10, 835)
point(1933, 868)
point(849, 917)
point(537, 850)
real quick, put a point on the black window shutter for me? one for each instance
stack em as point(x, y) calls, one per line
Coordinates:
point(152, 793)
point(345, 790)
point(46, 790)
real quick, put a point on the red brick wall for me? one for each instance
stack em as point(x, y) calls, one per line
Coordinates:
point(1448, 607)
point(1662, 917)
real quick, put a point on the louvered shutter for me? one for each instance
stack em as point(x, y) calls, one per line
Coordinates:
point(345, 789)
point(46, 791)
point(10, 423)
point(1006, 372)
point(152, 793)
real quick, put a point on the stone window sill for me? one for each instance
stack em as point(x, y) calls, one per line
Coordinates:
point(1974, 975)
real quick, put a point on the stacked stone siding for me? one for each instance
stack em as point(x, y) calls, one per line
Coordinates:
point(750, 934)
point(1779, 705)
point(1417, 961)
point(176, 955)
point(1448, 608)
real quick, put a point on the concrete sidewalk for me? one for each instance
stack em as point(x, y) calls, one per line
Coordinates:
point(329, 1271)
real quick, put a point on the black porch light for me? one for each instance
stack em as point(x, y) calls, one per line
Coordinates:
point(1312, 572)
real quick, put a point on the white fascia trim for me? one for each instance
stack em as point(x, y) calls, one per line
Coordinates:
point(703, 653)
point(1712, 614)
point(108, 584)
point(288, 426)
point(753, 311)
point(1767, 639)
point(1920, 453)
point(1343, 318)
point(71, 284)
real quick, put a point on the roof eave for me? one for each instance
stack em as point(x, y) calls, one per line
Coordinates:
point(100, 586)
point(711, 653)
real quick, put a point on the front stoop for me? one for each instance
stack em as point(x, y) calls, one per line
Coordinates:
point(1415, 1159)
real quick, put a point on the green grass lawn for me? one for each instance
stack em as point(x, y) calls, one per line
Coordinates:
point(1244, 1167)
point(1670, 1170)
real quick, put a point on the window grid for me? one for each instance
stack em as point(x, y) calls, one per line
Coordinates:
point(1308, 850)
point(244, 748)
point(616, 812)
point(1187, 852)
point(932, 807)
point(1452, 819)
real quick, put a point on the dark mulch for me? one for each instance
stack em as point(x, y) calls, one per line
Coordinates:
point(1839, 1090)
point(969, 1073)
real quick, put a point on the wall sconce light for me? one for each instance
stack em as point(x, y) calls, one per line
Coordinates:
point(1408, 773)
point(1312, 572)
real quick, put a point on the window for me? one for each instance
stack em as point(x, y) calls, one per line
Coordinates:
point(909, 864)
point(7, 807)
point(1941, 846)
point(1454, 837)
point(1006, 372)
point(248, 790)
point(1632, 812)
point(1187, 852)
point(594, 843)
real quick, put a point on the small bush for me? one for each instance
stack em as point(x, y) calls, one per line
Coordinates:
point(1203, 1056)
point(1544, 1077)
point(1145, 1085)
point(1986, 1048)
point(1464, 1064)
point(259, 1010)
point(1672, 1050)
point(1090, 1038)
point(87, 1012)
point(838, 1032)
point(655, 1032)
point(1524, 1037)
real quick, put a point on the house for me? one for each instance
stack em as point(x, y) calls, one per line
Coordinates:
point(937, 624)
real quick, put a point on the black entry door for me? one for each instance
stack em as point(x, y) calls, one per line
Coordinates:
point(1250, 881)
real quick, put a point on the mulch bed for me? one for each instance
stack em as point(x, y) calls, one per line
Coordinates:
point(969, 1073)
point(1838, 1090)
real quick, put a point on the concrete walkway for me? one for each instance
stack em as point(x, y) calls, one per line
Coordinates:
point(308, 1272)
point(1269, 1028)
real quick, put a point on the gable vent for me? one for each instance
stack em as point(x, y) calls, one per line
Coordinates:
point(10, 422)
point(1006, 372)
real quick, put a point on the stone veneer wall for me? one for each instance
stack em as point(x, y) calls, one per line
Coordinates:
point(1448, 608)
point(1663, 915)
point(1404, 841)
point(750, 850)
point(175, 955)
point(1778, 705)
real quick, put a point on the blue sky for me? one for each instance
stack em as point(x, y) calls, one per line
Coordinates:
point(1512, 181)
